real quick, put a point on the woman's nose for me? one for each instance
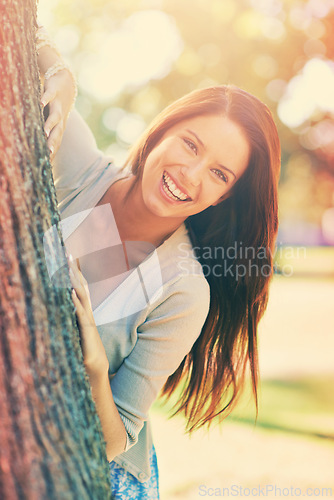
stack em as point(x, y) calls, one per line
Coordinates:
point(193, 173)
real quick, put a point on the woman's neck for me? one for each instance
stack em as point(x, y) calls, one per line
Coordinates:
point(134, 221)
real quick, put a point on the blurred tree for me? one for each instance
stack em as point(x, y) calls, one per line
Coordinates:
point(50, 435)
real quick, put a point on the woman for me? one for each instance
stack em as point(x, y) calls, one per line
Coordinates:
point(200, 189)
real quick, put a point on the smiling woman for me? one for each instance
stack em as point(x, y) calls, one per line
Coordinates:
point(204, 175)
point(194, 165)
point(197, 161)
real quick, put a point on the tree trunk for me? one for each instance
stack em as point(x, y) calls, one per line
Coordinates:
point(51, 443)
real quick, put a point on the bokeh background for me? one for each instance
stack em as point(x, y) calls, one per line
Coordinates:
point(132, 58)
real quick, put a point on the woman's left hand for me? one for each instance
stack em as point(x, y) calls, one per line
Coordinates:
point(59, 94)
point(95, 358)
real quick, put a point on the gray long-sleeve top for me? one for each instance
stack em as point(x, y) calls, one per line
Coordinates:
point(150, 320)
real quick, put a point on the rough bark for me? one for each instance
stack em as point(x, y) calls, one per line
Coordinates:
point(51, 444)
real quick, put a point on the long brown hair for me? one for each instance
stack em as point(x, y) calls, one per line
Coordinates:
point(213, 372)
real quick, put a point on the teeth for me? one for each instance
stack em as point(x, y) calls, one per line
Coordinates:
point(170, 183)
point(174, 190)
point(178, 193)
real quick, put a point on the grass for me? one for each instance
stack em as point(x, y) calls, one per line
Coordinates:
point(301, 406)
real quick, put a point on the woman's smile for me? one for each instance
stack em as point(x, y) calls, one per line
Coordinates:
point(172, 190)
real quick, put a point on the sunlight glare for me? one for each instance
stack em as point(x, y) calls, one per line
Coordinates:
point(308, 92)
point(143, 48)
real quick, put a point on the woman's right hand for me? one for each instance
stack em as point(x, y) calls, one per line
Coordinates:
point(59, 94)
point(94, 354)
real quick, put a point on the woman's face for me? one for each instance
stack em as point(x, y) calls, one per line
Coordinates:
point(194, 165)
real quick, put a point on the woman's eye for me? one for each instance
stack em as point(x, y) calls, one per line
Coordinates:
point(191, 145)
point(220, 174)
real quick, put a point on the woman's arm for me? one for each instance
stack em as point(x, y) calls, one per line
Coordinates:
point(112, 425)
point(97, 366)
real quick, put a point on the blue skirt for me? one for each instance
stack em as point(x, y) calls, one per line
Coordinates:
point(125, 486)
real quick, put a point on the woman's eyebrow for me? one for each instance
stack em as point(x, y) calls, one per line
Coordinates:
point(196, 136)
point(203, 146)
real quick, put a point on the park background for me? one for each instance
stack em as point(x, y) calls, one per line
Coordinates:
point(133, 57)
